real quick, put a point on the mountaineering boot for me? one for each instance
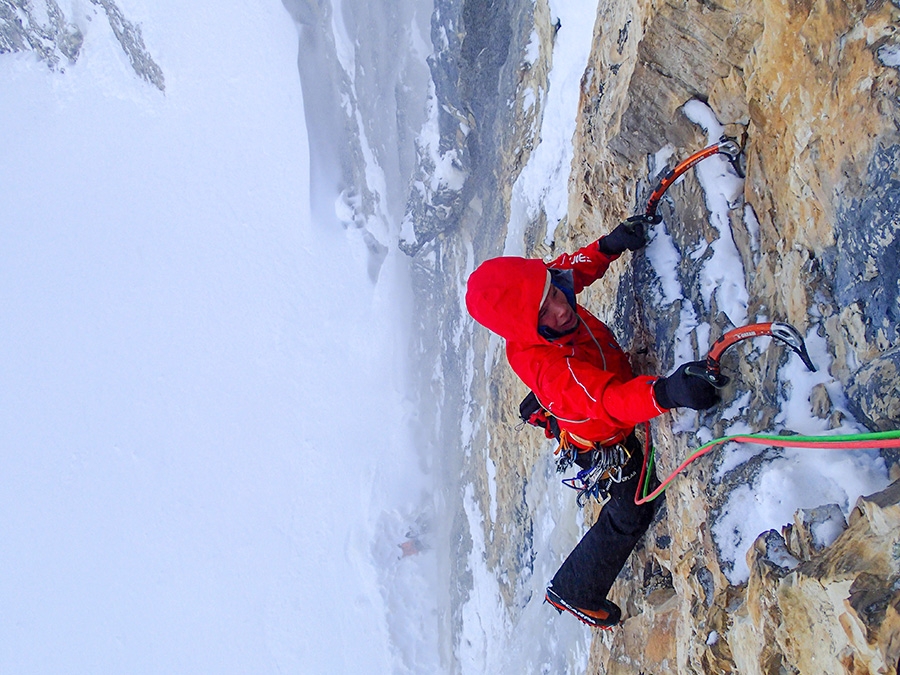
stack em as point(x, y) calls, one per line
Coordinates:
point(605, 616)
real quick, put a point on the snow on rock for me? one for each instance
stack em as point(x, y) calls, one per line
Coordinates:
point(805, 238)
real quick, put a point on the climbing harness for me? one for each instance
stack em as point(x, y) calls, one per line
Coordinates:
point(605, 464)
point(601, 466)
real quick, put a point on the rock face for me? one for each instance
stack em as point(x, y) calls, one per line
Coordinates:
point(42, 27)
point(806, 88)
point(811, 90)
point(835, 610)
point(22, 29)
point(478, 66)
point(489, 131)
point(364, 84)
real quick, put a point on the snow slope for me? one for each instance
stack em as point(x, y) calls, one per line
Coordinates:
point(204, 418)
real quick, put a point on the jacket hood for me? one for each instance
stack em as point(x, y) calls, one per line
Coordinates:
point(504, 295)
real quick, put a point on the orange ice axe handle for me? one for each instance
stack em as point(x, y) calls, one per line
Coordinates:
point(782, 332)
point(726, 146)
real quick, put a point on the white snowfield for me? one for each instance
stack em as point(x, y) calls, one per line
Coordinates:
point(203, 415)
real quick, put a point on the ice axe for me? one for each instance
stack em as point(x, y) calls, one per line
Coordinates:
point(725, 146)
point(782, 332)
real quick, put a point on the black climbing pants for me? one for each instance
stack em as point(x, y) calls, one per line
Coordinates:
point(591, 568)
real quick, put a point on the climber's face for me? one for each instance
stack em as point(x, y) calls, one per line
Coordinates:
point(556, 313)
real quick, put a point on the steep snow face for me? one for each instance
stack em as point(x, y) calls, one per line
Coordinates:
point(205, 424)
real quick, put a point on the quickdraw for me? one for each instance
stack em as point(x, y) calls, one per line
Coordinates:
point(607, 468)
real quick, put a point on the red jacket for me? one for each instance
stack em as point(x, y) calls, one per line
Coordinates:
point(584, 379)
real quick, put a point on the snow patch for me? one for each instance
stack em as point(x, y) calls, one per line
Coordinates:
point(889, 55)
point(723, 273)
point(797, 478)
point(533, 48)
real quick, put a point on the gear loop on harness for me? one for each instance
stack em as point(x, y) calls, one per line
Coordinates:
point(607, 467)
point(567, 453)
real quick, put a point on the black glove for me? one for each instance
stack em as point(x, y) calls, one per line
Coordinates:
point(629, 235)
point(681, 390)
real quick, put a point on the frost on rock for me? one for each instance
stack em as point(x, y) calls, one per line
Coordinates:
point(129, 36)
point(47, 33)
point(42, 28)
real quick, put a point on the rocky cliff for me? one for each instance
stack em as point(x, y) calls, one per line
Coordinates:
point(811, 90)
point(43, 28)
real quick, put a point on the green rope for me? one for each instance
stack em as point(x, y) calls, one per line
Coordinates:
point(783, 440)
point(651, 462)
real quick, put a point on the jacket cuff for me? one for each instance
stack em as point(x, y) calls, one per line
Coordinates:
point(660, 398)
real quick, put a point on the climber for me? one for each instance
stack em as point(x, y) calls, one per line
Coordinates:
point(584, 381)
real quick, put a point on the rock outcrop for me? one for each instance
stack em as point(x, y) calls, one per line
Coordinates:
point(816, 107)
point(42, 28)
